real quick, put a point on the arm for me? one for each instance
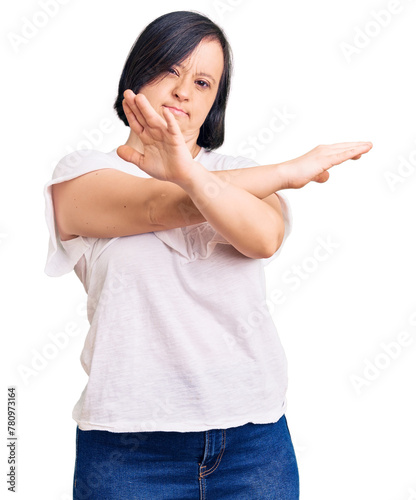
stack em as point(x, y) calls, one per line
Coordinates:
point(243, 219)
point(108, 203)
point(252, 225)
point(257, 232)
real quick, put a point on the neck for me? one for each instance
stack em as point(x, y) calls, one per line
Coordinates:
point(134, 142)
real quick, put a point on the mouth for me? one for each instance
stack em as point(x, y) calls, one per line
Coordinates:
point(176, 111)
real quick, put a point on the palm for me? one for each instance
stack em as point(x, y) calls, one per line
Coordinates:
point(165, 153)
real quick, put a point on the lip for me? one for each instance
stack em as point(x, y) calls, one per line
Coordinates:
point(176, 111)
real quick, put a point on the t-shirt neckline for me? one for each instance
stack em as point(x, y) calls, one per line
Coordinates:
point(197, 157)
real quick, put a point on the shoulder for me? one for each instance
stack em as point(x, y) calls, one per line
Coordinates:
point(217, 161)
point(83, 161)
point(80, 160)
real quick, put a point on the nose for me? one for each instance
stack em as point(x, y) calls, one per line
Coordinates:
point(182, 90)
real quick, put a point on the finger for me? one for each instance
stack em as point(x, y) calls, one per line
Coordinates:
point(172, 124)
point(340, 157)
point(131, 118)
point(322, 177)
point(131, 155)
point(138, 117)
point(332, 150)
point(348, 145)
point(128, 93)
point(130, 98)
point(151, 118)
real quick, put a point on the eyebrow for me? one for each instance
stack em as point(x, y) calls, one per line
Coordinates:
point(207, 75)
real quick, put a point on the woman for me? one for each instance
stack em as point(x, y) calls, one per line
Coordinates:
point(187, 376)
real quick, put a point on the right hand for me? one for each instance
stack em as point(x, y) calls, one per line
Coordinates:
point(166, 155)
point(313, 165)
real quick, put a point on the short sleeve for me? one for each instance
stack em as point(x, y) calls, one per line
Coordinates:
point(63, 255)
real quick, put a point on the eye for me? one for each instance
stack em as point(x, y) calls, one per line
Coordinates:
point(203, 83)
point(173, 71)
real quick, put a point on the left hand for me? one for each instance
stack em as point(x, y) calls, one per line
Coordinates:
point(313, 165)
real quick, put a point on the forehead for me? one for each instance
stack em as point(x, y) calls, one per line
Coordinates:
point(207, 57)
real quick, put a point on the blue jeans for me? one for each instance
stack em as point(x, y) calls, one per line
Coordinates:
point(249, 462)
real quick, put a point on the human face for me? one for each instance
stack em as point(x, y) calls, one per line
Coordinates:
point(189, 89)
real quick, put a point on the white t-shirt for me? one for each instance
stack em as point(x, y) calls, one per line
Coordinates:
point(180, 338)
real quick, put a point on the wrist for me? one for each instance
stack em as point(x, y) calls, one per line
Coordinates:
point(283, 173)
point(196, 177)
point(202, 186)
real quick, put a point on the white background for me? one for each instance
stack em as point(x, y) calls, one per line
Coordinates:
point(59, 82)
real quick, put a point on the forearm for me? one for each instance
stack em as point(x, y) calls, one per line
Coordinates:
point(173, 206)
point(260, 181)
point(244, 220)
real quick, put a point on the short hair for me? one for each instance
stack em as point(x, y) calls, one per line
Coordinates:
point(166, 42)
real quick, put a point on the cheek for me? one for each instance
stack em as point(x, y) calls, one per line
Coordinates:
point(202, 113)
point(154, 91)
point(206, 104)
point(151, 94)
